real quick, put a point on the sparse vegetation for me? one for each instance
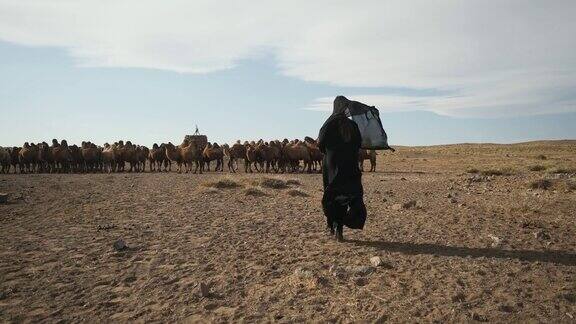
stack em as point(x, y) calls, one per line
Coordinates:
point(541, 157)
point(254, 191)
point(210, 190)
point(537, 167)
point(506, 171)
point(560, 170)
point(273, 183)
point(293, 182)
point(543, 184)
point(224, 184)
point(472, 170)
point(571, 185)
point(297, 193)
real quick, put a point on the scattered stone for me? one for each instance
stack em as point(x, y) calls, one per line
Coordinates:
point(505, 308)
point(541, 235)
point(303, 274)
point(396, 207)
point(478, 317)
point(337, 271)
point(403, 179)
point(202, 290)
point(120, 245)
point(361, 270)
point(453, 200)
point(361, 281)
point(376, 261)
point(106, 227)
point(496, 241)
point(3, 198)
point(410, 204)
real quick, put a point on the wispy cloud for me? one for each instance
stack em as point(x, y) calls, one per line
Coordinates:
point(499, 57)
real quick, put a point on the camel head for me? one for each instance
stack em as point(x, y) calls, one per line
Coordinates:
point(155, 146)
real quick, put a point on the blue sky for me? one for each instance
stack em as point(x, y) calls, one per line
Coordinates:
point(87, 70)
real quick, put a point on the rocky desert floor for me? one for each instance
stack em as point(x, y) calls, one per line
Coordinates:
point(461, 233)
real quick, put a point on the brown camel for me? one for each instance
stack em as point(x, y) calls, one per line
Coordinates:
point(213, 152)
point(5, 160)
point(192, 154)
point(28, 158)
point(174, 154)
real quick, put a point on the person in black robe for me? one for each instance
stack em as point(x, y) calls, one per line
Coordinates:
point(343, 204)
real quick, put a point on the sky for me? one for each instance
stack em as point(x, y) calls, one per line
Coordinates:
point(150, 71)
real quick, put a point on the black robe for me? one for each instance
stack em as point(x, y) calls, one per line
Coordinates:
point(342, 178)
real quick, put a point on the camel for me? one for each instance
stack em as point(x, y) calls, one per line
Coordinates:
point(28, 158)
point(174, 154)
point(90, 157)
point(76, 161)
point(156, 157)
point(234, 153)
point(129, 155)
point(252, 157)
point(192, 153)
point(108, 158)
point(269, 154)
point(293, 153)
point(142, 153)
point(367, 155)
point(315, 153)
point(45, 158)
point(213, 152)
point(5, 160)
point(14, 157)
point(62, 156)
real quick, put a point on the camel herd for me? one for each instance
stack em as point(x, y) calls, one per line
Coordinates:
point(274, 156)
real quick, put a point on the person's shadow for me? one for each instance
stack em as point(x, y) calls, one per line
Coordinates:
point(557, 257)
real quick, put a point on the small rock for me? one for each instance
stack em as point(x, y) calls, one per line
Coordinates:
point(541, 235)
point(478, 317)
point(337, 271)
point(202, 290)
point(361, 270)
point(496, 241)
point(396, 207)
point(3, 198)
point(302, 273)
point(376, 261)
point(410, 204)
point(361, 281)
point(403, 179)
point(453, 200)
point(120, 245)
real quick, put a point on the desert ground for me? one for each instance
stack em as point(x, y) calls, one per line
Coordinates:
point(463, 233)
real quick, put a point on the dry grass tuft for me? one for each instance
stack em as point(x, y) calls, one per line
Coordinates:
point(254, 191)
point(472, 170)
point(297, 193)
point(211, 191)
point(543, 184)
point(273, 183)
point(562, 170)
point(506, 171)
point(224, 184)
point(537, 167)
point(571, 185)
point(293, 182)
point(541, 157)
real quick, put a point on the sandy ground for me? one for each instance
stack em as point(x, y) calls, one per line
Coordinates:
point(471, 247)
